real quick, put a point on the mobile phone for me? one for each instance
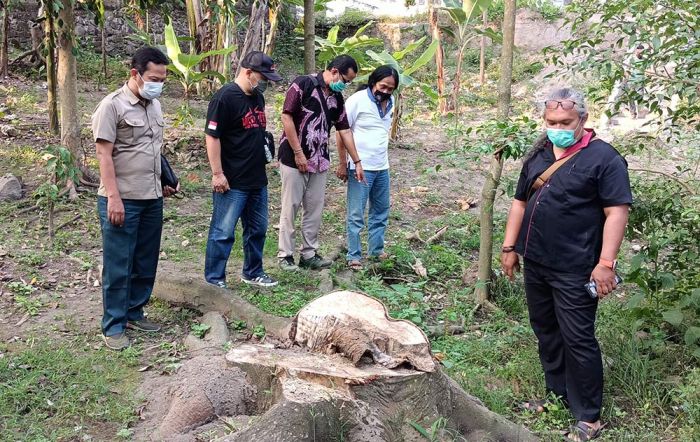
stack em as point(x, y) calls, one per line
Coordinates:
point(592, 290)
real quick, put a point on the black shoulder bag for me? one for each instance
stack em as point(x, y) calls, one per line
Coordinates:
point(167, 174)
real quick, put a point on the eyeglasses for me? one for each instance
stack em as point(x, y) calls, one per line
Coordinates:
point(345, 80)
point(565, 104)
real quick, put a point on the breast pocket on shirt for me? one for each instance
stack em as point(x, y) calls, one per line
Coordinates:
point(160, 124)
point(130, 130)
point(580, 182)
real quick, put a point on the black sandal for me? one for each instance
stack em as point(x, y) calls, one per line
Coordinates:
point(582, 432)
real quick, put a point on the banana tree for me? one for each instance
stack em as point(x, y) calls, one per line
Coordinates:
point(184, 66)
point(405, 74)
point(464, 29)
point(328, 48)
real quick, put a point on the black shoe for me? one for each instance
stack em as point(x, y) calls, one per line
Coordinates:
point(263, 280)
point(316, 262)
point(220, 284)
point(287, 264)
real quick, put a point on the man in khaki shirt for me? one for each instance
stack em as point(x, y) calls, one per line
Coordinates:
point(128, 131)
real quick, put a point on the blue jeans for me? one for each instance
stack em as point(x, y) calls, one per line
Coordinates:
point(130, 260)
point(250, 206)
point(376, 191)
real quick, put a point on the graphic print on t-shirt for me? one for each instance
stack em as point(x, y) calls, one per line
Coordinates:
point(251, 120)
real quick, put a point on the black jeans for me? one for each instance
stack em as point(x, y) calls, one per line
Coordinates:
point(562, 315)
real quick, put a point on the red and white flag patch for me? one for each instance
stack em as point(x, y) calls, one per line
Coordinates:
point(212, 125)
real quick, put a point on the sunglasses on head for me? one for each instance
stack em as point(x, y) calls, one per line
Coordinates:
point(565, 104)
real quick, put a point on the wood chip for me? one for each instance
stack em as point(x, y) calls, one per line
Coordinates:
point(24, 319)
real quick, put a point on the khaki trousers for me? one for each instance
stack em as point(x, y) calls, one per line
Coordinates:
point(307, 190)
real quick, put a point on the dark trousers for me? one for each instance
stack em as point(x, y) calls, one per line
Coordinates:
point(250, 206)
point(562, 315)
point(130, 259)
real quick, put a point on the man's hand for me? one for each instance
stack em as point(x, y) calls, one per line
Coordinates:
point(342, 171)
point(300, 160)
point(510, 263)
point(169, 191)
point(604, 278)
point(219, 183)
point(115, 211)
point(359, 173)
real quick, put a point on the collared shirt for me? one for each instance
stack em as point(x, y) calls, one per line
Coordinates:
point(370, 130)
point(389, 106)
point(135, 127)
point(563, 223)
point(303, 103)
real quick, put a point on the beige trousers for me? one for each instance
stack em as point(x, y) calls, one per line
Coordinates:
point(307, 190)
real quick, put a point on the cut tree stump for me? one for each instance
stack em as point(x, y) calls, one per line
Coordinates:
point(355, 325)
point(355, 374)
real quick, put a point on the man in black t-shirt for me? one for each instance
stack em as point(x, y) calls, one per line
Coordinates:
point(236, 147)
point(568, 229)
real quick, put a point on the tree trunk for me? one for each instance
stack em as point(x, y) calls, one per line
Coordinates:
point(194, 16)
point(394, 135)
point(309, 37)
point(493, 178)
point(458, 79)
point(274, 24)
point(319, 392)
point(67, 77)
point(52, 93)
point(439, 63)
point(253, 37)
point(482, 52)
point(4, 45)
point(103, 44)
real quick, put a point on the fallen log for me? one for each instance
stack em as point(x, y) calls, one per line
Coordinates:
point(194, 292)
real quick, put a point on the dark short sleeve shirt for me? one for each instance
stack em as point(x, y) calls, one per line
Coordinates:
point(563, 223)
point(238, 120)
point(313, 126)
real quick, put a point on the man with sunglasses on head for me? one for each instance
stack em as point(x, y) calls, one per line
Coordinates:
point(567, 221)
point(313, 104)
point(237, 152)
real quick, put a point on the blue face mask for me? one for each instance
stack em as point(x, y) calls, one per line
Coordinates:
point(338, 86)
point(562, 138)
point(150, 89)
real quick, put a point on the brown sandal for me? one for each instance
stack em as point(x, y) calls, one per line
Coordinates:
point(355, 265)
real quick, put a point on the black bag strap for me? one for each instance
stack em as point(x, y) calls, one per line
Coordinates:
point(322, 97)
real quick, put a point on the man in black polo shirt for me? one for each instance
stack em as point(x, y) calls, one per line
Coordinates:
point(235, 138)
point(569, 231)
point(314, 103)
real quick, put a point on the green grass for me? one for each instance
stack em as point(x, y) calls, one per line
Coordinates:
point(54, 392)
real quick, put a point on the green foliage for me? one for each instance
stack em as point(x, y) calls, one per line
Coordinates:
point(259, 331)
point(328, 48)
point(61, 168)
point(404, 301)
point(512, 137)
point(406, 71)
point(665, 269)
point(353, 18)
point(668, 65)
point(185, 66)
point(200, 330)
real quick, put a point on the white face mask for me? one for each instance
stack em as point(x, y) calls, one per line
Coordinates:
point(150, 89)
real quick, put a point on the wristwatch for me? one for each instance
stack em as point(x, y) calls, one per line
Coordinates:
point(612, 265)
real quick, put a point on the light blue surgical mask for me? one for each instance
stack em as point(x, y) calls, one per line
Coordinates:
point(150, 89)
point(338, 86)
point(562, 138)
